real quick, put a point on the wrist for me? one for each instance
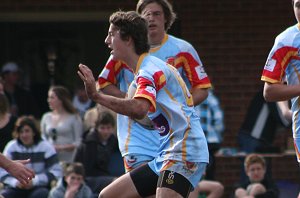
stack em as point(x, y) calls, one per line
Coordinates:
point(95, 95)
point(7, 164)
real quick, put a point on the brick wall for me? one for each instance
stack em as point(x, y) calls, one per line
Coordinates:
point(233, 39)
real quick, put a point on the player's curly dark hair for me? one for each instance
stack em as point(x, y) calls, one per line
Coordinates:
point(131, 24)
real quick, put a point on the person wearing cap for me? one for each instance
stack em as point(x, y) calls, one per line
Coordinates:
point(21, 100)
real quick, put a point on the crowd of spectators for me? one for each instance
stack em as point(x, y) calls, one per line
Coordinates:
point(56, 141)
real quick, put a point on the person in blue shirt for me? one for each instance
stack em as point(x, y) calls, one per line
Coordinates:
point(212, 122)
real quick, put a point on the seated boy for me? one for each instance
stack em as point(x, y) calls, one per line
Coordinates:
point(258, 185)
point(96, 150)
point(72, 184)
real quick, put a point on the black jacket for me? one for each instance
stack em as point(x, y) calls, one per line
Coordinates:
point(94, 155)
point(269, 184)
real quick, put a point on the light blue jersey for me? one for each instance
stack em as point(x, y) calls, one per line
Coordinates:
point(132, 137)
point(178, 53)
point(172, 111)
point(184, 57)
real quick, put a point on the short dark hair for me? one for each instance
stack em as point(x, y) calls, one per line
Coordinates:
point(130, 24)
point(169, 14)
point(105, 118)
point(74, 167)
point(27, 121)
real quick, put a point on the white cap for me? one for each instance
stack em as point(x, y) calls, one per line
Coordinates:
point(10, 67)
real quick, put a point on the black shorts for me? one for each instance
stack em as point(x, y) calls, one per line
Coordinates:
point(146, 181)
point(176, 182)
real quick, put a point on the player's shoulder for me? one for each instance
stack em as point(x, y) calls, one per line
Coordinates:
point(291, 30)
point(153, 61)
point(151, 65)
point(180, 43)
point(288, 35)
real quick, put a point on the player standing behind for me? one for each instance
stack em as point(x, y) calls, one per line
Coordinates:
point(283, 64)
point(138, 148)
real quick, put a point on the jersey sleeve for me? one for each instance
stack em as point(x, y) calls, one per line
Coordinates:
point(148, 86)
point(277, 62)
point(110, 72)
point(193, 68)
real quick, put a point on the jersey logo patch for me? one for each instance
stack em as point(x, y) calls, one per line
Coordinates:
point(162, 125)
point(200, 72)
point(171, 177)
point(151, 90)
point(270, 65)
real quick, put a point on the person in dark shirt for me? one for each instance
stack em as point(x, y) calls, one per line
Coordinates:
point(7, 122)
point(262, 120)
point(98, 145)
point(258, 184)
point(21, 100)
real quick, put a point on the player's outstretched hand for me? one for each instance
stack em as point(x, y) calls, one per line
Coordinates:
point(87, 77)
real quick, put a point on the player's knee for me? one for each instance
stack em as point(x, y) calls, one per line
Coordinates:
point(219, 188)
point(240, 192)
point(101, 194)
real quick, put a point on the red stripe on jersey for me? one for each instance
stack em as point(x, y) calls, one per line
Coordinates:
point(143, 91)
point(159, 80)
point(188, 63)
point(114, 68)
point(282, 56)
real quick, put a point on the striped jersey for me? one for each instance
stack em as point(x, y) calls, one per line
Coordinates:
point(211, 118)
point(43, 161)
